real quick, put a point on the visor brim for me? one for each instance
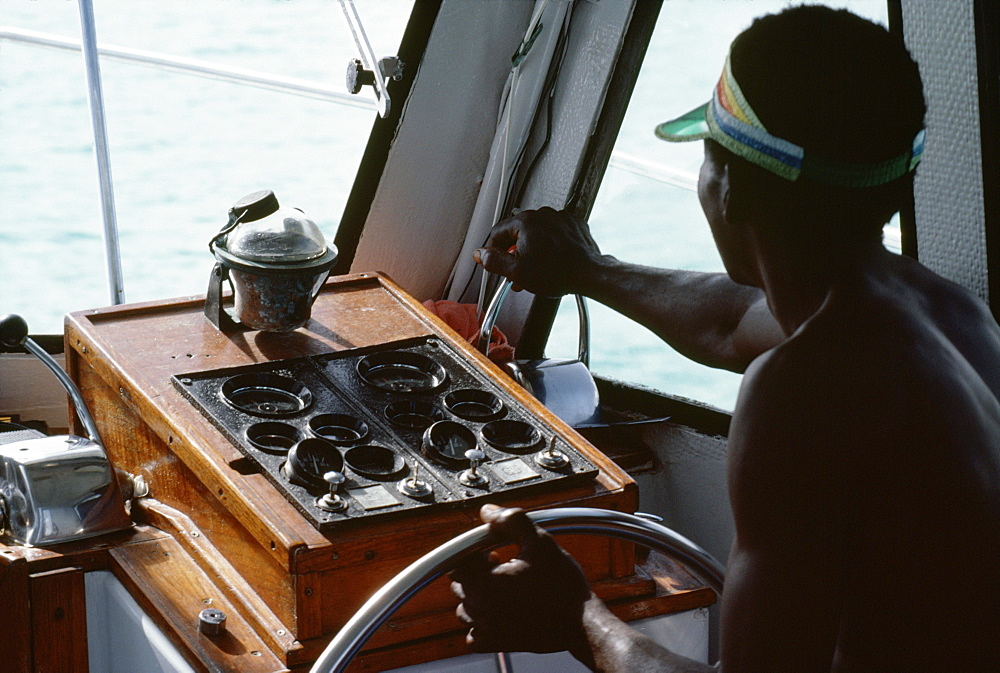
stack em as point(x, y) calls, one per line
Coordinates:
point(687, 127)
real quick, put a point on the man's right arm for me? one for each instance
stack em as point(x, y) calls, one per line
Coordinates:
point(705, 316)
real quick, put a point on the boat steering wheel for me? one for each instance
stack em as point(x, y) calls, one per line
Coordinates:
point(352, 637)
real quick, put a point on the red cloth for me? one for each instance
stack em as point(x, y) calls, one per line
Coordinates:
point(462, 318)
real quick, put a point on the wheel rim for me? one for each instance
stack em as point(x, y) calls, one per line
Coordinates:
point(445, 558)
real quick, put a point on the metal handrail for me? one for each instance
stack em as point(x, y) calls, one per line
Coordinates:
point(298, 87)
point(489, 319)
point(190, 66)
point(575, 520)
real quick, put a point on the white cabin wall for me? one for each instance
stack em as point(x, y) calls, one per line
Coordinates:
point(948, 192)
point(428, 189)
point(421, 211)
point(688, 487)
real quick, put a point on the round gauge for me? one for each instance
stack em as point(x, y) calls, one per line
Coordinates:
point(401, 372)
point(512, 436)
point(310, 459)
point(375, 462)
point(474, 405)
point(338, 428)
point(413, 414)
point(272, 436)
point(266, 394)
point(446, 442)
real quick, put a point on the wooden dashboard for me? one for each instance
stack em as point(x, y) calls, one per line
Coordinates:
point(219, 527)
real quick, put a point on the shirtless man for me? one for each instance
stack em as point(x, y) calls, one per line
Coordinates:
point(864, 450)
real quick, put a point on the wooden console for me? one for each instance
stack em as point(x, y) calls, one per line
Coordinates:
point(212, 516)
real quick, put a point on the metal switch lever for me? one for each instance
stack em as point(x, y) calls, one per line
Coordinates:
point(471, 477)
point(332, 502)
point(552, 458)
point(14, 332)
point(414, 486)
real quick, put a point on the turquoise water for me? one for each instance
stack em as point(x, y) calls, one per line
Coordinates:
point(185, 148)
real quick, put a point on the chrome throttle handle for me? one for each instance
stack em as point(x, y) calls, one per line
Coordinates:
point(56, 488)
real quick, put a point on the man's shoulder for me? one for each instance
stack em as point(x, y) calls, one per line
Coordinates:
point(881, 361)
point(837, 373)
point(794, 390)
point(830, 352)
point(881, 331)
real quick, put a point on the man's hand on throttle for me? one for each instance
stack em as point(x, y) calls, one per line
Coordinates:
point(545, 251)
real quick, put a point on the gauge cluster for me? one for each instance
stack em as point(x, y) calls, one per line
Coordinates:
point(374, 432)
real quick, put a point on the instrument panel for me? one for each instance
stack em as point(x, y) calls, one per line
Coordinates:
point(382, 430)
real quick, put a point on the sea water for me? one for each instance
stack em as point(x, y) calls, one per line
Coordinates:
point(184, 148)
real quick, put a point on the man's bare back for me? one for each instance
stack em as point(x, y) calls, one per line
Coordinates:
point(871, 439)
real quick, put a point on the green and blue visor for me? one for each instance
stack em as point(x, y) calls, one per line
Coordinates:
point(729, 120)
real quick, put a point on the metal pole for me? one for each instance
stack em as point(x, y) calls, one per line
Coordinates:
point(504, 663)
point(368, 58)
point(112, 254)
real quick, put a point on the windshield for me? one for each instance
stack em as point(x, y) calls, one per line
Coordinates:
point(183, 148)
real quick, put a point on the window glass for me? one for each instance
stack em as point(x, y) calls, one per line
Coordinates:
point(183, 148)
point(647, 210)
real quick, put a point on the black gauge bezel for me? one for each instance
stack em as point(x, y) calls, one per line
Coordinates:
point(423, 413)
point(435, 436)
point(512, 436)
point(403, 362)
point(364, 460)
point(283, 389)
point(299, 468)
point(459, 402)
point(357, 428)
point(263, 435)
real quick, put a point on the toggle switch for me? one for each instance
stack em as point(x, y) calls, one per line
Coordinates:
point(472, 477)
point(414, 486)
point(332, 501)
point(552, 458)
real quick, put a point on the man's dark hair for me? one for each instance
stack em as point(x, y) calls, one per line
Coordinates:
point(841, 87)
